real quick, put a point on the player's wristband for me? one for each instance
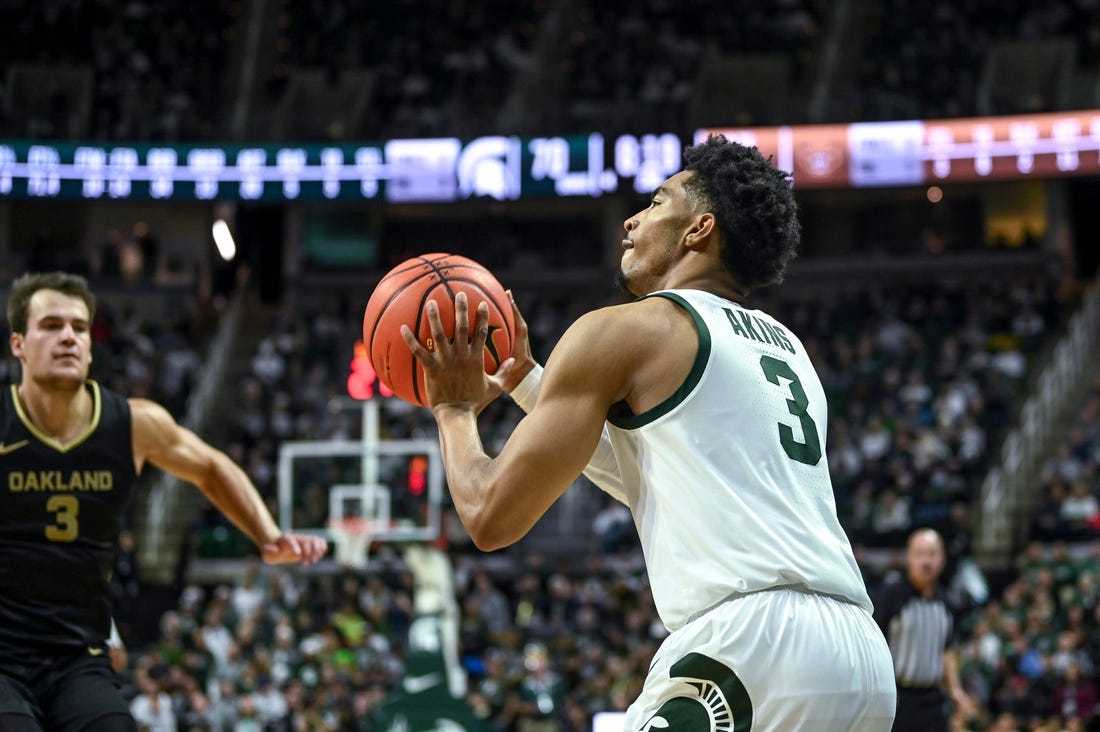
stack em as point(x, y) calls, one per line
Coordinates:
point(527, 391)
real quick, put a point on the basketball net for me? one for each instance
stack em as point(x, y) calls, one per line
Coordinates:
point(352, 537)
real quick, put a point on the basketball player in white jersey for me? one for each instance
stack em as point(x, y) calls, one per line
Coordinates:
point(708, 420)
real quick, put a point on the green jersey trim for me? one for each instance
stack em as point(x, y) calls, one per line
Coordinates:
point(620, 414)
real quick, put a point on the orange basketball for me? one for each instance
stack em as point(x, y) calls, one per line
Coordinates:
point(399, 299)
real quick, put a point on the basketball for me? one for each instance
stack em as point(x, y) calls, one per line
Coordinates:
point(400, 298)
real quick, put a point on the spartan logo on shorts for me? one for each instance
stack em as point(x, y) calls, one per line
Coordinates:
point(719, 703)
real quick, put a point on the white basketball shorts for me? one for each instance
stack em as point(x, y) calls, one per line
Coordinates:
point(775, 661)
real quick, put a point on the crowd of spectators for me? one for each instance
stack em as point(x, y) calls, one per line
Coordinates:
point(1069, 506)
point(553, 643)
point(631, 63)
point(161, 71)
point(436, 64)
point(623, 66)
point(158, 68)
point(283, 650)
point(1029, 654)
point(922, 383)
point(924, 61)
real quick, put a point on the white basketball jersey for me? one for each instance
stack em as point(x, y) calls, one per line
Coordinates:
point(727, 478)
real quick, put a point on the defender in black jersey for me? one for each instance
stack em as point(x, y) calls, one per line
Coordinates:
point(70, 452)
point(914, 616)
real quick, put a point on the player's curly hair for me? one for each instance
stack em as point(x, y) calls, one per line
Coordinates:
point(752, 205)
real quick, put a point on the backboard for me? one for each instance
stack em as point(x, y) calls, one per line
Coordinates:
point(396, 484)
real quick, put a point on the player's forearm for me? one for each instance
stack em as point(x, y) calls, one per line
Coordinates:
point(471, 479)
point(467, 467)
point(232, 493)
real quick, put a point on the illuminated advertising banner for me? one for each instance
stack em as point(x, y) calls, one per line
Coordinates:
point(924, 152)
point(396, 171)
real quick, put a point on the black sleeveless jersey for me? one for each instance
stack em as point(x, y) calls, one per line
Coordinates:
point(60, 510)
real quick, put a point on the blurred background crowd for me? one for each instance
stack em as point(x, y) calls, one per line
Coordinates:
point(931, 327)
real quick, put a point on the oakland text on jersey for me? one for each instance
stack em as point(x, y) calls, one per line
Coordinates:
point(60, 480)
point(757, 329)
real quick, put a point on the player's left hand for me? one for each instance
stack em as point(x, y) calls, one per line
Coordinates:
point(291, 548)
point(454, 370)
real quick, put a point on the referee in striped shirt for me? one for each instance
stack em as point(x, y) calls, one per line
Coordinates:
point(917, 623)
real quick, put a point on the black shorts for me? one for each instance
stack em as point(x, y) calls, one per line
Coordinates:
point(63, 693)
point(921, 710)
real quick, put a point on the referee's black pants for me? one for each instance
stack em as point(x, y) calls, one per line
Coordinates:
point(920, 710)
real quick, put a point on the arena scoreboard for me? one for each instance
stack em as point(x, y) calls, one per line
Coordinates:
point(508, 168)
point(396, 171)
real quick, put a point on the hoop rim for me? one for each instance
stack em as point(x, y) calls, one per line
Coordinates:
point(354, 525)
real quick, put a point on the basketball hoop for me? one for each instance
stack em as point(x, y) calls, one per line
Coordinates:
point(352, 536)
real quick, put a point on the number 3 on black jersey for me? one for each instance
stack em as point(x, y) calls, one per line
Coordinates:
point(808, 452)
point(65, 510)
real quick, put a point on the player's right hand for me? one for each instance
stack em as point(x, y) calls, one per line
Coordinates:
point(289, 548)
point(510, 374)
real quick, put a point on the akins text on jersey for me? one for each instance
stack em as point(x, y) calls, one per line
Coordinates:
point(60, 480)
point(762, 332)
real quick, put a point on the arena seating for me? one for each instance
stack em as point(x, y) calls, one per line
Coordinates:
point(947, 59)
point(118, 71)
point(289, 646)
point(434, 66)
point(627, 62)
point(172, 71)
point(1071, 481)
